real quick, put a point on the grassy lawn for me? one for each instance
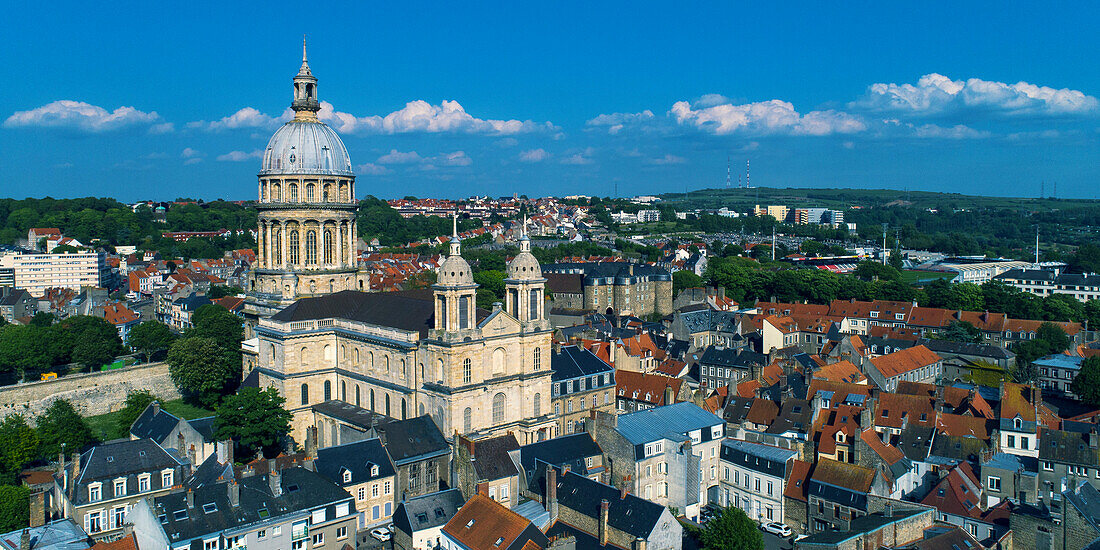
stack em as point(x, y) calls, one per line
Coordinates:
point(103, 425)
point(912, 276)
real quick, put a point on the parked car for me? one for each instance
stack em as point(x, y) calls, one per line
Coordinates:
point(776, 528)
point(381, 533)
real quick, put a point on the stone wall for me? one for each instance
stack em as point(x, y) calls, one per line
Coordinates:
point(91, 393)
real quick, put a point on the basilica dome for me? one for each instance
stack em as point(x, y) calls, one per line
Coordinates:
point(306, 147)
point(454, 271)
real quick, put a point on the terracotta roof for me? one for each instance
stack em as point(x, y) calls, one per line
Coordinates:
point(1017, 325)
point(906, 360)
point(129, 542)
point(959, 493)
point(1016, 399)
point(747, 388)
point(930, 317)
point(482, 521)
point(888, 453)
point(838, 388)
point(962, 426)
point(798, 480)
point(841, 371)
point(763, 411)
point(649, 388)
point(782, 308)
point(893, 409)
point(842, 474)
point(771, 374)
point(960, 400)
point(232, 303)
point(118, 314)
point(784, 324)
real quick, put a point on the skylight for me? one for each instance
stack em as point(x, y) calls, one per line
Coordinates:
point(209, 507)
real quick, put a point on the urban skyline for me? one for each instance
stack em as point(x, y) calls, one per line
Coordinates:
point(517, 100)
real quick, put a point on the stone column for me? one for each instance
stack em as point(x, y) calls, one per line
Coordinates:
point(284, 242)
point(261, 239)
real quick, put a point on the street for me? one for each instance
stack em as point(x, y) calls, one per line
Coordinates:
point(774, 542)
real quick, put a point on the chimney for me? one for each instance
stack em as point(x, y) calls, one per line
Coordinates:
point(25, 540)
point(192, 454)
point(76, 474)
point(190, 499)
point(551, 492)
point(604, 505)
point(311, 442)
point(234, 493)
point(38, 515)
point(622, 493)
point(274, 478)
point(180, 445)
point(639, 544)
point(156, 407)
point(669, 395)
point(939, 397)
point(1093, 438)
point(889, 511)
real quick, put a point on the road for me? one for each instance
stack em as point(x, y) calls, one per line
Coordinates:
point(773, 542)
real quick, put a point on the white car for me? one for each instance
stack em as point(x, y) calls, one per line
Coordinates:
point(381, 533)
point(776, 528)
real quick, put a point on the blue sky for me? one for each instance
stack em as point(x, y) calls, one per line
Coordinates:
point(144, 100)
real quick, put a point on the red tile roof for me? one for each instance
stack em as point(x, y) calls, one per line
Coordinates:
point(841, 371)
point(798, 481)
point(1016, 400)
point(482, 521)
point(959, 493)
point(649, 388)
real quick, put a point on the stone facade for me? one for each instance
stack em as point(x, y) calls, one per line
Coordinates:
point(90, 394)
point(622, 288)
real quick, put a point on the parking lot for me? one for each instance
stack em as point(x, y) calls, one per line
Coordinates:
point(363, 541)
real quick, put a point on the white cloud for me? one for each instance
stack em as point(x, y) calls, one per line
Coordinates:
point(935, 94)
point(534, 155)
point(371, 169)
point(239, 156)
point(155, 155)
point(85, 117)
point(582, 158)
point(189, 153)
point(248, 117)
point(398, 157)
point(192, 161)
point(457, 158)
point(421, 116)
point(957, 131)
point(764, 117)
point(615, 122)
point(667, 159)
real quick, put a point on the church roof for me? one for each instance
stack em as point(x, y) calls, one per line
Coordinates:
point(411, 310)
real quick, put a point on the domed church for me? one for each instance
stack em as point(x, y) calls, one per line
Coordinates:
point(306, 238)
point(335, 352)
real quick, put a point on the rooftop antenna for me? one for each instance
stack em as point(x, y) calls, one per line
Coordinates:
point(747, 184)
point(1036, 245)
point(729, 174)
point(884, 226)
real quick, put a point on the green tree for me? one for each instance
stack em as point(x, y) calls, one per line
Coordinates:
point(20, 446)
point(24, 350)
point(255, 420)
point(61, 425)
point(1086, 259)
point(215, 322)
point(491, 280)
point(1087, 382)
point(15, 510)
point(97, 340)
point(202, 370)
point(150, 337)
point(1056, 339)
point(895, 260)
point(685, 279)
point(731, 530)
point(869, 271)
point(221, 291)
point(135, 404)
point(42, 319)
point(961, 331)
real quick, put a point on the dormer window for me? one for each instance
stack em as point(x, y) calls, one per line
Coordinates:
point(166, 479)
point(347, 476)
point(374, 470)
point(95, 492)
point(120, 487)
point(1017, 423)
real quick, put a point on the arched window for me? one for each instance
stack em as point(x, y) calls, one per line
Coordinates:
point(386, 364)
point(440, 420)
point(1016, 423)
point(538, 358)
point(404, 373)
point(328, 390)
point(357, 395)
point(499, 402)
point(292, 245)
point(466, 419)
point(467, 371)
point(343, 391)
point(370, 360)
point(533, 306)
point(292, 192)
point(309, 192)
point(276, 192)
point(326, 195)
point(463, 312)
point(357, 356)
point(404, 409)
point(328, 246)
point(537, 404)
point(372, 399)
point(440, 376)
point(311, 247)
point(498, 361)
point(387, 404)
point(302, 356)
point(305, 394)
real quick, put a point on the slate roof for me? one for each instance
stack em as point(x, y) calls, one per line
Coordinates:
point(916, 442)
point(737, 408)
point(357, 458)
point(356, 416)
point(412, 439)
point(154, 425)
point(1067, 448)
point(794, 415)
point(730, 357)
point(942, 347)
point(301, 490)
point(569, 449)
point(608, 270)
point(205, 427)
point(491, 460)
point(122, 457)
point(411, 310)
point(575, 362)
point(670, 421)
point(61, 534)
point(765, 459)
point(427, 511)
point(630, 514)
